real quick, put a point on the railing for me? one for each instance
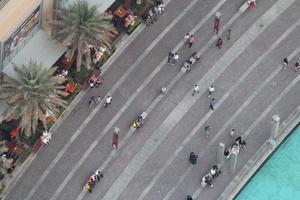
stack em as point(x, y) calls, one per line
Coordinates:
point(260, 156)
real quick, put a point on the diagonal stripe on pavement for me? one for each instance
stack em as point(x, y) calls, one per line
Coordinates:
point(176, 115)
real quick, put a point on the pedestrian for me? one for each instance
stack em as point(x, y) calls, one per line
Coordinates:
point(99, 174)
point(107, 101)
point(196, 89)
point(207, 131)
point(88, 187)
point(176, 58)
point(285, 63)
point(297, 66)
point(193, 158)
point(232, 133)
point(191, 41)
point(211, 89)
point(92, 101)
point(228, 34)
point(98, 100)
point(187, 37)
point(189, 197)
point(99, 82)
point(219, 43)
point(170, 56)
point(212, 103)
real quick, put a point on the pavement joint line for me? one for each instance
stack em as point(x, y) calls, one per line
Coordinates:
point(149, 78)
point(112, 90)
point(178, 182)
point(200, 124)
point(154, 103)
point(266, 111)
point(167, 125)
point(13, 181)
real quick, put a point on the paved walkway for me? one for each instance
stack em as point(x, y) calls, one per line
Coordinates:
point(152, 163)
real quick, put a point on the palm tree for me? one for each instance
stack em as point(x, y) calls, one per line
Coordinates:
point(34, 92)
point(80, 26)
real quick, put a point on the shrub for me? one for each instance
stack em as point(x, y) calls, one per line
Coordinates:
point(24, 156)
point(2, 187)
point(50, 124)
point(29, 140)
point(101, 63)
point(133, 27)
point(81, 75)
point(139, 6)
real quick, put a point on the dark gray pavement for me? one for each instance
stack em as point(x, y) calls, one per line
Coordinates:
point(248, 93)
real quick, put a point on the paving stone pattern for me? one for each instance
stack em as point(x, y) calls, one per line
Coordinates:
point(152, 163)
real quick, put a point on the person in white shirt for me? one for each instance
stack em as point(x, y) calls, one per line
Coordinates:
point(211, 89)
point(176, 58)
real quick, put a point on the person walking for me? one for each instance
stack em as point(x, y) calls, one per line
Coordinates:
point(219, 43)
point(232, 133)
point(297, 66)
point(228, 34)
point(211, 89)
point(193, 158)
point(285, 63)
point(196, 89)
point(107, 101)
point(176, 58)
point(98, 174)
point(207, 131)
point(187, 37)
point(98, 100)
point(170, 56)
point(191, 41)
point(189, 197)
point(92, 101)
point(212, 103)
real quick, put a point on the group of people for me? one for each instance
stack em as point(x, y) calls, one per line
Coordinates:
point(286, 62)
point(208, 178)
point(91, 182)
point(235, 147)
point(152, 14)
point(94, 81)
point(94, 101)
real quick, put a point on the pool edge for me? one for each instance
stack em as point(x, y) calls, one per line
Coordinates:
point(262, 154)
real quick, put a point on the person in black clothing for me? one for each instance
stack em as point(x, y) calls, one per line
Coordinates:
point(193, 158)
point(189, 197)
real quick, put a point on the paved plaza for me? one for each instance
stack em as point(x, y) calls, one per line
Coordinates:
point(152, 163)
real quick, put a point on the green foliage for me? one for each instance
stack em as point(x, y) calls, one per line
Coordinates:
point(139, 6)
point(5, 127)
point(29, 140)
point(133, 27)
point(2, 187)
point(25, 154)
point(101, 63)
point(72, 96)
point(82, 25)
point(50, 124)
point(33, 93)
point(81, 75)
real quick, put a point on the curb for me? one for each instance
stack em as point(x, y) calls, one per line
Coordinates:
point(122, 45)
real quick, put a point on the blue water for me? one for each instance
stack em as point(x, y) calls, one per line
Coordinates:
point(279, 177)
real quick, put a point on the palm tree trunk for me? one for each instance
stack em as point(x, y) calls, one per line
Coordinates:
point(78, 60)
point(88, 59)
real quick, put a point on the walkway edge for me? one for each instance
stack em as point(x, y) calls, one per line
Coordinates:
point(21, 170)
point(260, 157)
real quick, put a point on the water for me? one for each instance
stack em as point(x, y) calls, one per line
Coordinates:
point(279, 177)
